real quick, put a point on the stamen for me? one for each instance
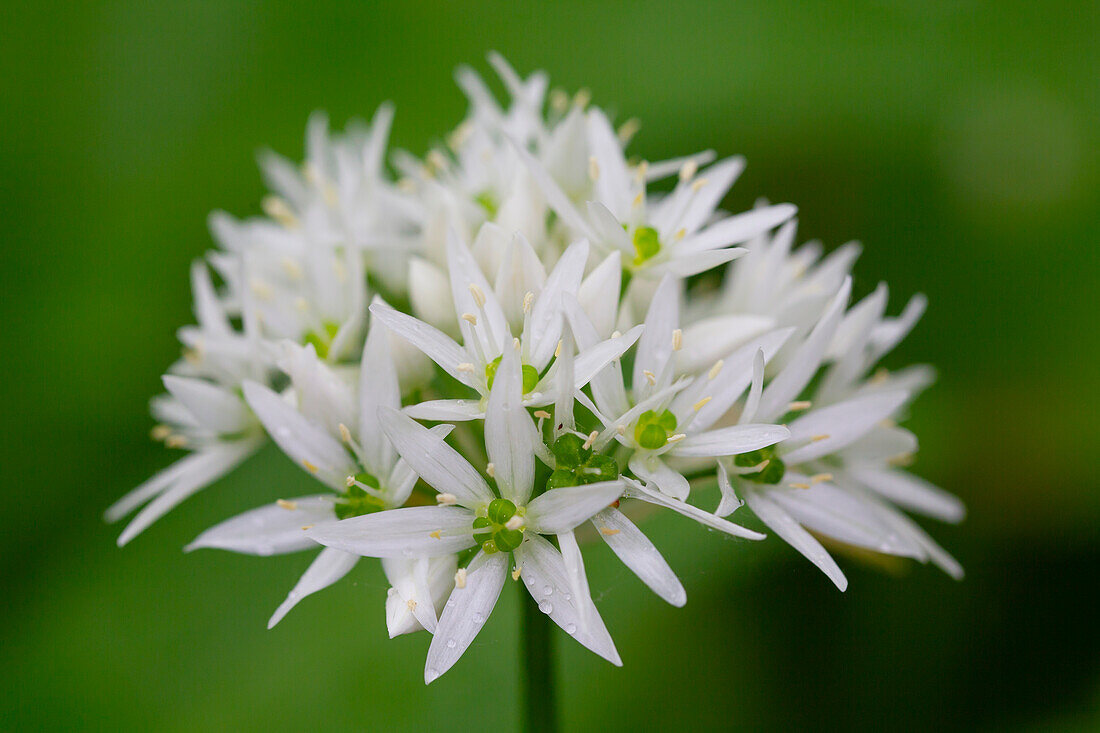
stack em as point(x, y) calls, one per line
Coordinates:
point(700, 404)
point(292, 269)
point(887, 423)
point(260, 289)
point(542, 414)
point(491, 470)
point(641, 171)
point(817, 478)
point(406, 185)
point(593, 168)
point(559, 100)
point(436, 161)
point(816, 438)
point(465, 367)
point(309, 466)
point(676, 438)
point(460, 578)
point(410, 604)
point(608, 531)
point(616, 334)
point(582, 98)
point(345, 434)
point(799, 405)
point(620, 429)
point(528, 299)
point(698, 185)
point(880, 376)
point(438, 534)
point(557, 349)
point(688, 171)
point(479, 295)
point(288, 505)
point(677, 340)
point(680, 234)
point(301, 304)
point(306, 526)
point(590, 439)
point(799, 486)
point(715, 369)
point(638, 200)
point(628, 130)
point(160, 432)
point(470, 318)
point(446, 498)
point(516, 572)
point(176, 441)
point(279, 210)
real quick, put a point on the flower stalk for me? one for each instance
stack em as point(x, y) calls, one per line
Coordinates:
point(537, 659)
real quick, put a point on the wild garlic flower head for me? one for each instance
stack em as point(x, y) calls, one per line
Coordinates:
point(526, 292)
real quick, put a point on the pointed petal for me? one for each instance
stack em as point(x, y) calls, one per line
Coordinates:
point(329, 566)
point(214, 407)
point(910, 492)
point(729, 441)
point(509, 433)
point(637, 490)
point(652, 469)
point(420, 531)
point(739, 228)
point(273, 529)
point(466, 612)
point(439, 347)
point(451, 410)
point(378, 387)
point(560, 510)
point(842, 423)
point(639, 554)
point(792, 533)
point(544, 324)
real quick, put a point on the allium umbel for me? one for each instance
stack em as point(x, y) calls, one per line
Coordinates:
point(480, 353)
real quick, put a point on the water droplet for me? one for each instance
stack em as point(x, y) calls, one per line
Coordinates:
point(567, 597)
point(547, 590)
point(451, 643)
point(571, 628)
point(545, 607)
point(478, 618)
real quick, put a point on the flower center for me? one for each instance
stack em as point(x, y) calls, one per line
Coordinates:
point(322, 340)
point(495, 532)
point(653, 428)
point(530, 374)
point(356, 502)
point(772, 473)
point(488, 201)
point(577, 465)
point(646, 244)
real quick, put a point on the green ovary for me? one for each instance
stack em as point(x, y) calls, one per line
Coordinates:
point(653, 428)
point(646, 244)
point(490, 531)
point(323, 340)
point(530, 374)
point(577, 465)
point(770, 474)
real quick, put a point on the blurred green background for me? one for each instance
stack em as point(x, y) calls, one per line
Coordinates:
point(957, 140)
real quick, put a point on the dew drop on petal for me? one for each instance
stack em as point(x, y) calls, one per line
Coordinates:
point(477, 618)
point(571, 629)
point(545, 607)
point(451, 643)
point(567, 597)
point(547, 590)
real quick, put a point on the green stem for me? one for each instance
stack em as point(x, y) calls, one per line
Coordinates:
point(539, 705)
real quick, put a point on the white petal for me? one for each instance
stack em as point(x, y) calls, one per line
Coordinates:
point(306, 443)
point(729, 441)
point(652, 469)
point(208, 466)
point(492, 329)
point(453, 410)
point(402, 478)
point(739, 228)
point(543, 326)
point(562, 509)
point(420, 531)
point(555, 197)
point(910, 492)
point(655, 345)
point(329, 566)
point(711, 339)
point(792, 533)
point(803, 365)
point(466, 611)
point(729, 503)
point(378, 387)
point(687, 264)
point(214, 407)
point(509, 433)
point(843, 423)
point(718, 180)
point(592, 360)
point(430, 295)
point(439, 347)
point(639, 554)
point(440, 465)
point(543, 572)
point(637, 490)
point(599, 293)
point(273, 529)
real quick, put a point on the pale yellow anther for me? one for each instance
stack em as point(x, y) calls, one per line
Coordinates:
point(880, 376)
point(698, 185)
point(528, 299)
point(677, 340)
point(680, 234)
point(641, 171)
point(799, 486)
point(176, 441)
point(650, 376)
point(515, 344)
point(817, 438)
point(557, 349)
point(590, 439)
point(620, 429)
point(437, 161)
point(688, 170)
point(349, 481)
point(459, 136)
point(332, 196)
point(638, 200)
point(700, 404)
point(306, 526)
point(446, 499)
point(799, 405)
point(628, 129)
point(817, 478)
point(616, 334)
point(478, 294)
point(192, 356)
point(559, 100)
point(260, 289)
point(516, 572)
point(490, 470)
point(340, 270)
point(160, 432)
point(288, 505)
point(279, 210)
point(608, 531)
point(715, 369)
point(406, 185)
point(436, 535)
point(309, 172)
point(466, 367)
point(582, 98)
point(292, 269)
point(309, 466)
point(676, 438)
point(301, 304)
point(460, 578)
point(593, 168)
point(470, 318)
point(345, 434)
point(410, 604)
point(542, 414)
point(514, 523)
point(902, 460)
point(887, 423)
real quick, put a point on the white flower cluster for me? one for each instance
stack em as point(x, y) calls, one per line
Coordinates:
point(581, 344)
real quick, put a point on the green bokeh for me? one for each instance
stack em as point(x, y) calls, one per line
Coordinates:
point(958, 141)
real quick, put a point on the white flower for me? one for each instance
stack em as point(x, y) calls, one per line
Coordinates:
point(471, 515)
